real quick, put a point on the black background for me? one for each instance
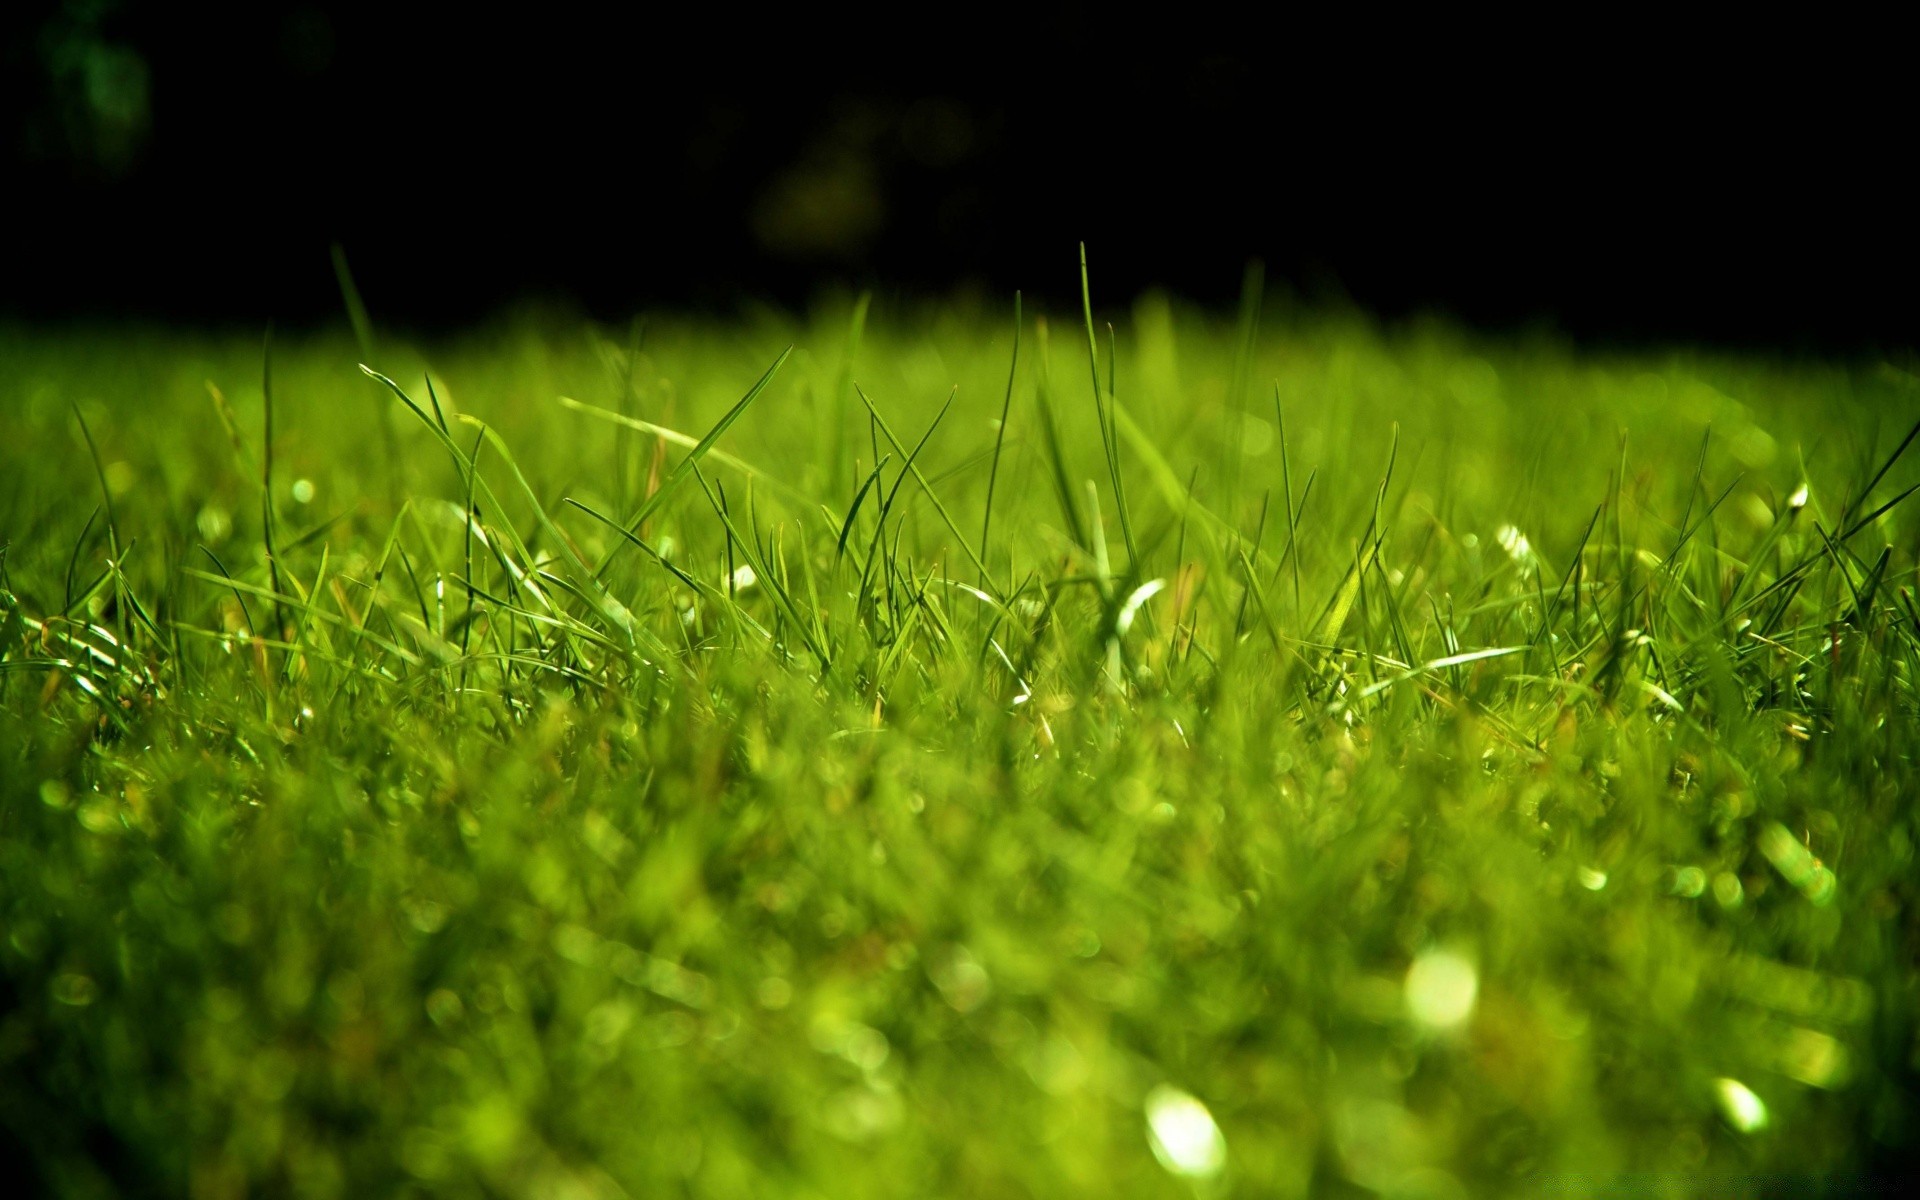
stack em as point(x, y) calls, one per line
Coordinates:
point(1613, 177)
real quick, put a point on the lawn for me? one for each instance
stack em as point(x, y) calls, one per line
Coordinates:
point(867, 753)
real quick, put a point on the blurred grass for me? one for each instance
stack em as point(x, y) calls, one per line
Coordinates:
point(1510, 820)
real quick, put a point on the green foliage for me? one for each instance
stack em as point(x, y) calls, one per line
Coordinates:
point(1487, 772)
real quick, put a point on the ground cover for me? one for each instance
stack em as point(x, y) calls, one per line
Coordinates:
point(873, 753)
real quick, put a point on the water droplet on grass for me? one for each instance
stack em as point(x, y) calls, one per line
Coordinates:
point(1515, 543)
point(1183, 1134)
point(1743, 1110)
point(1441, 989)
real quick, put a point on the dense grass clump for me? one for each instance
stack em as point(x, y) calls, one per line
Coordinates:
point(1177, 755)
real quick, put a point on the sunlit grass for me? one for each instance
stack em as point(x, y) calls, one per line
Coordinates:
point(1268, 757)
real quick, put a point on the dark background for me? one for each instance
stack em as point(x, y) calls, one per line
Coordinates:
point(1613, 179)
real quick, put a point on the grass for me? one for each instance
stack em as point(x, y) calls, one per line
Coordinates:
point(1279, 756)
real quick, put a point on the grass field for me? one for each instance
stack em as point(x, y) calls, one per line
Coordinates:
point(1281, 757)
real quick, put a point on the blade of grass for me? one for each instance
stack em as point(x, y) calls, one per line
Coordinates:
point(1109, 442)
point(999, 436)
point(913, 466)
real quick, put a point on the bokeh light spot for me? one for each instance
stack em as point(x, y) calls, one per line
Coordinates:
point(1183, 1134)
point(1441, 989)
point(1743, 1110)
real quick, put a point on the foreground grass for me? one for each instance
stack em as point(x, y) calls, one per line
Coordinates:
point(1448, 763)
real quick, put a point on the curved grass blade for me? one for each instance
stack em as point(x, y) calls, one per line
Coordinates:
point(690, 463)
point(913, 467)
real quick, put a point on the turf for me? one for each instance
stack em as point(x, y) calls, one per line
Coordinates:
point(862, 754)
